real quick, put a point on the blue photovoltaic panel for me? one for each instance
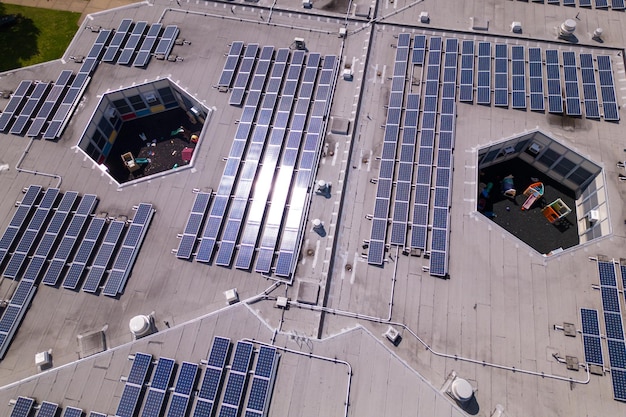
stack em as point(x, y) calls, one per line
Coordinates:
point(80, 259)
point(258, 394)
point(178, 406)
point(133, 42)
point(602, 4)
point(9, 318)
point(166, 43)
point(419, 50)
point(555, 101)
point(96, 414)
point(219, 351)
point(139, 369)
point(572, 95)
point(117, 41)
point(610, 300)
point(590, 322)
point(103, 256)
point(232, 60)
point(617, 5)
point(145, 51)
point(22, 293)
point(153, 405)
point(203, 408)
point(226, 411)
point(607, 88)
point(14, 104)
point(438, 264)
point(618, 376)
point(614, 328)
point(234, 389)
point(47, 409)
point(466, 88)
point(72, 412)
point(593, 350)
point(265, 362)
point(535, 72)
point(617, 353)
point(483, 91)
point(501, 90)
point(242, 357)
point(584, 3)
point(186, 378)
point(590, 92)
point(606, 271)
point(210, 384)
point(162, 374)
point(128, 401)
point(518, 77)
point(22, 407)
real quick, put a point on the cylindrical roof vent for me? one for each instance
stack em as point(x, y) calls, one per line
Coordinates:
point(568, 27)
point(461, 390)
point(139, 326)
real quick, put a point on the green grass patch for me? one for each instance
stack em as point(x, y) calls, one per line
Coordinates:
point(38, 35)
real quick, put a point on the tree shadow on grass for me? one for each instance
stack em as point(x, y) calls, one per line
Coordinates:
point(18, 42)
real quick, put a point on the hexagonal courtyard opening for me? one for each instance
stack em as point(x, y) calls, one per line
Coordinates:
point(144, 131)
point(541, 191)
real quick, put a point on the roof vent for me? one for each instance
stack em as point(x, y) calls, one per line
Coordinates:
point(461, 390)
point(567, 28)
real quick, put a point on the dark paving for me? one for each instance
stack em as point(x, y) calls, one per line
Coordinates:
point(530, 226)
point(164, 155)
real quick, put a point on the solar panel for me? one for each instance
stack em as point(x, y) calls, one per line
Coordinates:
point(72, 412)
point(266, 362)
point(132, 43)
point(590, 93)
point(572, 95)
point(234, 390)
point(96, 414)
point(80, 259)
point(535, 72)
point(148, 44)
point(178, 406)
point(128, 401)
point(103, 256)
point(419, 50)
point(438, 264)
point(242, 357)
point(607, 88)
point(118, 39)
point(614, 328)
point(203, 408)
point(17, 100)
point(166, 42)
point(602, 4)
point(617, 5)
point(584, 3)
point(555, 102)
point(153, 406)
point(618, 377)
point(219, 351)
point(501, 90)
point(22, 407)
point(610, 300)
point(606, 271)
point(483, 91)
point(590, 322)
point(47, 409)
point(593, 350)
point(466, 89)
point(243, 75)
point(518, 77)
point(139, 369)
point(36, 98)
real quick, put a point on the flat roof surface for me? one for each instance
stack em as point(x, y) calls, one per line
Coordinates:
point(496, 321)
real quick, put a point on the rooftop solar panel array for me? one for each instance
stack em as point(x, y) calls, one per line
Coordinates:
point(33, 103)
point(614, 328)
point(148, 45)
point(535, 73)
point(69, 102)
point(85, 207)
point(72, 412)
point(237, 376)
point(591, 336)
point(118, 39)
point(50, 236)
point(466, 85)
point(243, 74)
point(443, 184)
point(82, 256)
point(405, 172)
point(291, 236)
point(128, 252)
point(607, 88)
point(250, 233)
point(103, 256)
point(378, 234)
point(31, 233)
point(618, 5)
point(207, 395)
point(572, 94)
point(250, 167)
point(419, 50)
point(232, 60)
point(158, 388)
point(22, 407)
point(132, 43)
point(285, 174)
point(426, 148)
point(18, 220)
point(263, 380)
point(590, 93)
point(166, 42)
point(54, 97)
point(483, 91)
point(555, 101)
point(232, 168)
point(501, 79)
point(134, 385)
point(15, 104)
point(184, 385)
point(518, 77)
point(193, 225)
